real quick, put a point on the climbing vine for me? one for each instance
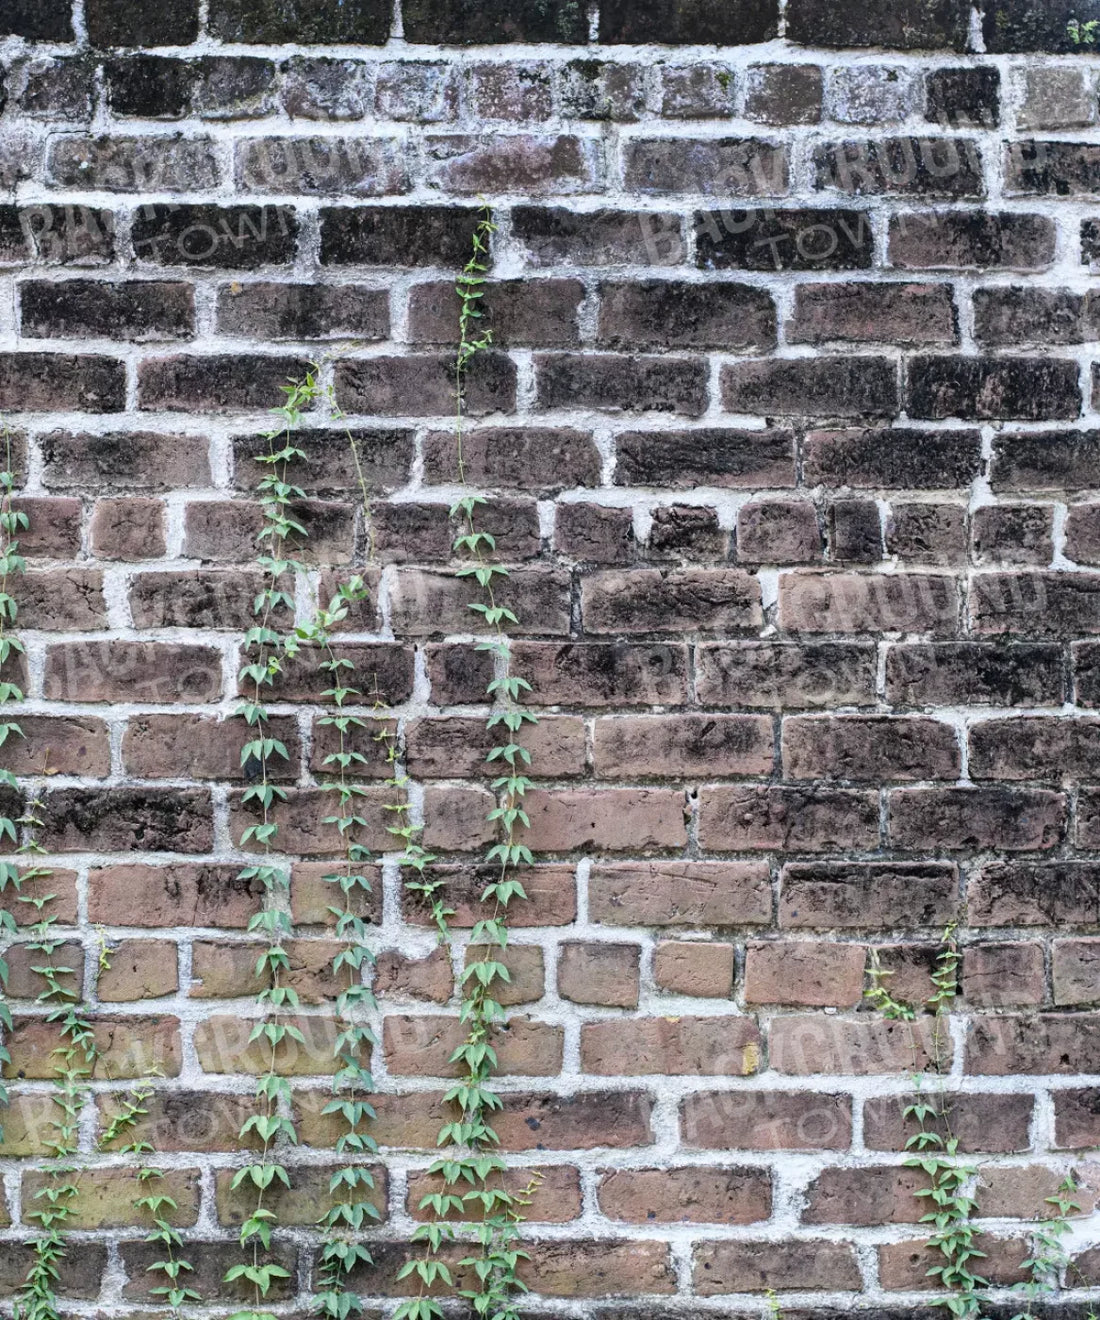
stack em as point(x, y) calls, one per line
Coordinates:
point(472, 1184)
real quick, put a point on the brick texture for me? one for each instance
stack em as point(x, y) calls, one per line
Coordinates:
point(790, 439)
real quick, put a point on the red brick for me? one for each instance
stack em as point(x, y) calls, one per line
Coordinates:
point(766, 1120)
point(176, 895)
point(787, 817)
point(680, 894)
point(678, 1047)
point(804, 973)
point(802, 1044)
point(1059, 1043)
point(129, 529)
point(422, 1046)
point(605, 974)
point(686, 1196)
point(626, 819)
point(867, 895)
point(861, 603)
point(698, 968)
point(969, 819)
point(1004, 975)
point(803, 1266)
point(1075, 967)
point(886, 1195)
point(873, 748)
point(132, 671)
point(647, 600)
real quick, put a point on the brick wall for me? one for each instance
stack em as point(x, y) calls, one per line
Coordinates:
point(790, 435)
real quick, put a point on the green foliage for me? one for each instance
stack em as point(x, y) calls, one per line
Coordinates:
point(1084, 34)
point(473, 1205)
point(266, 650)
point(1049, 1257)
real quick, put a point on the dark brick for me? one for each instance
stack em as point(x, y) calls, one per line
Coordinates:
point(61, 382)
point(1047, 748)
point(1010, 317)
point(717, 167)
point(672, 314)
point(1019, 26)
point(305, 22)
point(321, 166)
point(303, 311)
point(707, 457)
point(861, 895)
point(687, 532)
point(37, 20)
point(521, 313)
point(1064, 169)
point(594, 533)
point(696, 91)
point(138, 310)
point(805, 239)
point(1014, 534)
point(991, 389)
point(552, 236)
point(779, 532)
point(1036, 604)
point(396, 235)
point(623, 382)
point(1050, 460)
point(234, 237)
point(213, 86)
point(899, 24)
point(56, 89)
point(901, 459)
point(528, 458)
point(963, 98)
point(143, 164)
point(1090, 241)
point(671, 22)
point(465, 22)
point(422, 385)
point(1059, 894)
point(56, 234)
point(927, 533)
point(964, 240)
point(128, 820)
point(119, 460)
point(901, 166)
point(204, 598)
point(783, 675)
point(647, 600)
point(784, 93)
point(533, 164)
point(855, 531)
point(867, 312)
point(228, 383)
point(812, 387)
point(126, 23)
point(974, 674)
point(976, 819)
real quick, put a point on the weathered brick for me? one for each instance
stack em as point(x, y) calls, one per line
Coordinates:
point(873, 313)
point(457, 747)
point(947, 167)
point(141, 311)
point(555, 1200)
point(183, 894)
point(674, 314)
point(453, 22)
point(784, 93)
point(697, 968)
point(857, 603)
point(680, 894)
point(1037, 747)
point(621, 383)
point(1051, 460)
point(138, 460)
point(396, 235)
point(526, 970)
point(812, 387)
point(603, 974)
point(212, 86)
point(422, 1046)
point(676, 1047)
point(422, 385)
point(869, 747)
point(766, 1120)
point(229, 383)
point(1035, 168)
point(138, 970)
point(133, 164)
point(672, 746)
point(981, 389)
point(61, 382)
point(595, 533)
point(121, 23)
point(866, 895)
point(56, 234)
point(747, 1267)
point(68, 745)
point(606, 819)
point(128, 1046)
point(551, 897)
point(956, 240)
point(899, 458)
point(426, 602)
point(802, 972)
point(322, 166)
point(964, 97)
point(708, 456)
point(779, 532)
point(784, 239)
point(128, 529)
point(304, 1202)
point(534, 458)
point(649, 600)
point(781, 675)
point(209, 1261)
point(127, 671)
point(686, 1196)
point(695, 91)
point(802, 1044)
point(552, 236)
point(722, 167)
point(974, 674)
point(535, 164)
point(785, 817)
point(327, 22)
point(1038, 604)
point(524, 313)
point(974, 819)
point(993, 1123)
point(742, 22)
point(927, 533)
point(905, 1265)
point(1076, 1113)
point(910, 25)
point(869, 1195)
point(128, 820)
point(222, 237)
point(1008, 975)
point(1016, 534)
point(1056, 1043)
point(40, 20)
point(326, 89)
